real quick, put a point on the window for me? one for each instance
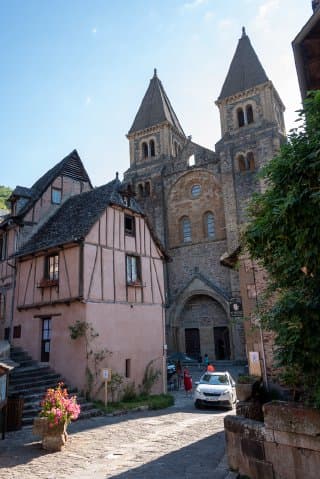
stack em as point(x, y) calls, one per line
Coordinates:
point(2, 306)
point(210, 225)
point(147, 188)
point(129, 225)
point(133, 269)
point(191, 160)
point(3, 246)
point(152, 148)
point(144, 150)
point(140, 189)
point(52, 267)
point(242, 163)
point(240, 117)
point(17, 331)
point(195, 191)
point(128, 368)
point(56, 196)
point(250, 161)
point(249, 114)
point(186, 230)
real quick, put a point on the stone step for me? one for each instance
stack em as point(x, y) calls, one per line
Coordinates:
point(31, 381)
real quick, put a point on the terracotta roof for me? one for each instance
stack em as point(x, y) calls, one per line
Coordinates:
point(155, 108)
point(245, 70)
point(75, 217)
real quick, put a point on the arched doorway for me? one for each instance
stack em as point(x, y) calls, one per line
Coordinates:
point(204, 328)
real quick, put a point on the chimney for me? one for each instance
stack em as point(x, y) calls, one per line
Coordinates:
point(315, 5)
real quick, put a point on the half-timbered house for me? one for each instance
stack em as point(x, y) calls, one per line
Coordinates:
point(86, 282)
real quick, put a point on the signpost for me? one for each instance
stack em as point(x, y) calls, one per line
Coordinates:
point(106, 374)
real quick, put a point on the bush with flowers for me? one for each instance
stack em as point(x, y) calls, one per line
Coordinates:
point(58, 407)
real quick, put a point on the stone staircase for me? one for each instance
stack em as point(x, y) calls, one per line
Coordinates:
point(31, 380)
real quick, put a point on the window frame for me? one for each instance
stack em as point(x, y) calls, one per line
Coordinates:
point(55, 190)
point(133, 275)
point(51, 267)
point(185, 234)
point(129, 231)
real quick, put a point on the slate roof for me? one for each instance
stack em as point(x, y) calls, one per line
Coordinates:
point(155, 108)
point(70, 166)
point(245, 70)
point(75, 217)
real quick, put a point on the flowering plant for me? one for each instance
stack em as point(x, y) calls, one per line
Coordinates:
point(58, 407)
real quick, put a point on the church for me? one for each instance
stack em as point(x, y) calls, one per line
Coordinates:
point(196, 198)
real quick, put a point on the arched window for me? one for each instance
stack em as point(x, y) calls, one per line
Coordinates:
point(140, 189)
point(147, 188)
point(240, 116)
point(186, 230)
point(195, 191)
point(176, 148)
point(249, 114)
point(191, 160)
point(152, 148)
point(250, 161)
point(144, 150)
point(242, 163)
point(209, 223)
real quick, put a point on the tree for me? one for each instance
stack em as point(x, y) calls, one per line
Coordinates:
point(5, 192)
point(283, 235)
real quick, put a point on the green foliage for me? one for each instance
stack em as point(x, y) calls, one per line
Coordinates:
point(115, 384)
point(156, 401)
point(5, 192)
point(150, 377)
point(283, 235)
point(83, 329)
point(129, 392)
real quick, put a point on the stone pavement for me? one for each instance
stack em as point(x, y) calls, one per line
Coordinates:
point(176, 443)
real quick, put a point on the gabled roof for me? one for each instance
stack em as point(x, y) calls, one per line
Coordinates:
point(75, 217)
point(245, 70)
point(70, 166)
point(155, 108)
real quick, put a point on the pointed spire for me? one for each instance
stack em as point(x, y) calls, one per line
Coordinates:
point(245, 70)
point(155, 108)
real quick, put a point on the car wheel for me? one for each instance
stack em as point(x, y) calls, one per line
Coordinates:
point(198, 404)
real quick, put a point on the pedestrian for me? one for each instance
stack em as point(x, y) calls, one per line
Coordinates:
point(210, 368)
point(187, 382)
point(205, 361)
point(179, 373)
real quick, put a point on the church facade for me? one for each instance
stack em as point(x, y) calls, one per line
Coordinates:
point(196, 198)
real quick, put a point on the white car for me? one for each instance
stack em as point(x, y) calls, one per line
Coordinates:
point(215, 389)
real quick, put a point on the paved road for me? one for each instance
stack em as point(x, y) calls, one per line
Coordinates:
point(176, 443)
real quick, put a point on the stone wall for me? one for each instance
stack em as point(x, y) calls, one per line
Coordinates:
point(285, 446)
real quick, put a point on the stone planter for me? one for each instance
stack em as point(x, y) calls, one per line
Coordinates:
point(53, 438)
point(244, 391)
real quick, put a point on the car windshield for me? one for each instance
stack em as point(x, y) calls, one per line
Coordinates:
point(215, 379)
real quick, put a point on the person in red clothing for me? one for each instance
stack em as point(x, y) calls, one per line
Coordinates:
point(187, 382)
point(211, 368)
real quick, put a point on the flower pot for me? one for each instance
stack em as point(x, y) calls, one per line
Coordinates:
point(55, 437)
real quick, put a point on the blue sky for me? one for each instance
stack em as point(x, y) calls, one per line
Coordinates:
point(74, 72)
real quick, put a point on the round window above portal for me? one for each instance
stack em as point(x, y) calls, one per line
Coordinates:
point(195, 191)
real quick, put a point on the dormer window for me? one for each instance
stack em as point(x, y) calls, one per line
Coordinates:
point(129, 225)
point(56, 195)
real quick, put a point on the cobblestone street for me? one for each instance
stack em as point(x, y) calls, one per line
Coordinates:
point(176, 443)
